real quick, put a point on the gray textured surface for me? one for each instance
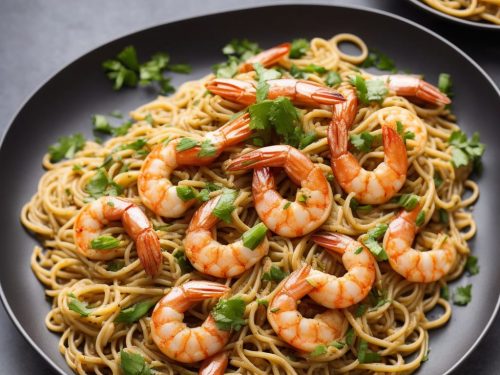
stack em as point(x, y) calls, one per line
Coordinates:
point(39, 37)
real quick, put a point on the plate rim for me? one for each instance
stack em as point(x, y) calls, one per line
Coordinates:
point(484, 26)
point(286, 3)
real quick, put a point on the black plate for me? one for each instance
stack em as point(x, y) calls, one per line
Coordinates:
point(478, 24)
point(66, 102)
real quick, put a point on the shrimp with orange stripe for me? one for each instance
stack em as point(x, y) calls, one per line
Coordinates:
point(156, 190)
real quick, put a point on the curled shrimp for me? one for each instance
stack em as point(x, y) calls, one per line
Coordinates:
point(413, 86)
point(213, 258)
point(414, 265)
point(371, 187)
point(300, 92)
point(313, 202)
point(97, 214)
point(341, 292)
point(215, 365)
point(302, 333)
point(173, 337)
point(154, 185)
point(267, 58)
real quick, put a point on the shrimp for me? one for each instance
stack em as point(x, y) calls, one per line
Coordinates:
point(302, 333)
point(313, 202)
point(414, 265)
point(97, 214)
point(300, 92)
point(209, 256)
point(413, 86)
point(215, 365)
point(341, 292)
point(345, 112)
point(371, 187)
point(154, 185)
point(173, 337)
point(267, 58)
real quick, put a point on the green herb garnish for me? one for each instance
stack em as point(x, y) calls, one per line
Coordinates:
point(254, 236)
point(66, 147)
point(135, 312)
point(228, 314)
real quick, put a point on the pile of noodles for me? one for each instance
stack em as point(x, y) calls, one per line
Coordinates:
point(474, 10)
point(398, 330)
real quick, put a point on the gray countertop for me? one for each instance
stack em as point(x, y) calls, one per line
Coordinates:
point(40, 37)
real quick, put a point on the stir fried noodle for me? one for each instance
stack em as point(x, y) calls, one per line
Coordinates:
point(391, 323)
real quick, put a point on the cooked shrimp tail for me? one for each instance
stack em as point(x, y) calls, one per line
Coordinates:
point(267, 58)
point(413, 86)
point(209, 256)
point(302, 333)
point(313, 202)
point(215, 365)
point(300, 92)
point(371, 187)
point(414, 265)
point(173, 337)
point(346, 112)
point(353, 286)
point(97, 214)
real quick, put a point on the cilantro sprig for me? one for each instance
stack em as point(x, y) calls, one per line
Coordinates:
point(66, 147)
point(228, 314)
point(237, 51)
point(125, 70)
point(380, 61)
point(133, 364)
point(374, 90)
point(465, 151)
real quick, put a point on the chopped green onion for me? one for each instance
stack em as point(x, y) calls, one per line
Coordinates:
point(254, 236)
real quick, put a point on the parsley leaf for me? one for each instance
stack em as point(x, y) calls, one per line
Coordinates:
point(462, 295)
point(66, 147)
point(225, 205)
point(123, 70)
point(74, 304)
point(183, 262)
point(228, 314)
point(465, 151)
point(133, 364)
point(299, 48)
point(135, 312)
point(274, 274)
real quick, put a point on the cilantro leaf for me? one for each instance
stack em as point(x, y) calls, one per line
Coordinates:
point(299, 48)
point(183, 262)
point(135, 312)
point(104, 243)
point(365, 355)
point(333, 79)
point(275, 274)
point(226, 69)
point(228, 314)
point(264, 75)
point(207, 149)
point(465, 151)
point(100, 184)
point(379, 60)
point(471, 265)
point(462, 295)
point(186, 144)
point(66, 147)
point(133, 364)
point(318, 350)
point(74, 304)
point(128, 57)
point(241, 48)
point(445, 84)
point(362, 142)
point(368, 91)
point(225, 205)
point(254, 236)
